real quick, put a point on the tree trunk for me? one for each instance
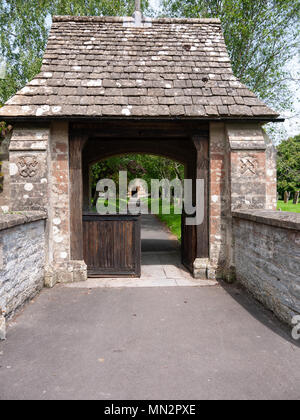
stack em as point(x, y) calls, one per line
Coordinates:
point(286, 196)
point(296, 197)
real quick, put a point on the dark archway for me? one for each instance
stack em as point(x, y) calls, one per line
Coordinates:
point(182, 141)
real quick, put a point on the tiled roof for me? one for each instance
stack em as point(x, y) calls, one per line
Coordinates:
point(101, 66)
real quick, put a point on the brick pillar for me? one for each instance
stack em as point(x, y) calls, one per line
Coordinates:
point(248, 166)
point(28, 167)
point(271, 174)
point(5, 187)
point(4, 175)
point(248, 179)
point(61, 269)
point(39, 180)
point(219, 201)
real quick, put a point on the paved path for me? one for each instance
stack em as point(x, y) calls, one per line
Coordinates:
point(148, 343)
point(156, 237)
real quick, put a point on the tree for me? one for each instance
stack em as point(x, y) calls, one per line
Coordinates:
point(147, 167)
point(288, 165)
point(261, 37)
point(24, 27)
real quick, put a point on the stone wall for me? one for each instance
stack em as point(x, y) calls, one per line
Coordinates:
point(267, 258)
point(22, 258)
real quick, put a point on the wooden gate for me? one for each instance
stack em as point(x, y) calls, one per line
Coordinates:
point(112, 245)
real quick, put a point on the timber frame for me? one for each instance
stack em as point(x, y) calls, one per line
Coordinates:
point(186, 142)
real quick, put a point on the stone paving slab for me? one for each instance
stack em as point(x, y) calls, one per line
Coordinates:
point(148, 343)
point(143, 282)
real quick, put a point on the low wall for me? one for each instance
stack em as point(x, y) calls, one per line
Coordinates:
point(267, 258)
point(22, 258)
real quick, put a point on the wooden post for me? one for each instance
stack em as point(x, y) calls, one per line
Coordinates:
point(76, 196)
point(86, 186)
point(202, 172)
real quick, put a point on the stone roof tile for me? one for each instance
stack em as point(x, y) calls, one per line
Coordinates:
point(100, 66)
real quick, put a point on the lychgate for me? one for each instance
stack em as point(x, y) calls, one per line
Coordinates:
point(112, 85)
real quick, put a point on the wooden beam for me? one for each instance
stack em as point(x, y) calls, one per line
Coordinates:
point(76, 195)
point(202, 172)
point(177, 149)
point(139, 129)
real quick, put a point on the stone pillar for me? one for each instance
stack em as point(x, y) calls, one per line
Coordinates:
point(248, 166)
point(220, 212)
point(4, 175)
point(248, 179)
point(28, 167)
point(39, 175)
point(5, 188)
point(271, 174)
point(61, 269)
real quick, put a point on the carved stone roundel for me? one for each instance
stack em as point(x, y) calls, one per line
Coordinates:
point(28, 166)
point(248, 165)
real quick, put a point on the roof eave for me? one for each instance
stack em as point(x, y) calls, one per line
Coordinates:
point(262, 119)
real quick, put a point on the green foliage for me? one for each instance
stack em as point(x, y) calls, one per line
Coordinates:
point(110, 168)
point(24, 27)
point(261, 37)
point(173, 221)
point(4, 130)
point(288, 165)
point(146, 167)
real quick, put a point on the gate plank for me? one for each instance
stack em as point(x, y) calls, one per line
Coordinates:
point(112, 245)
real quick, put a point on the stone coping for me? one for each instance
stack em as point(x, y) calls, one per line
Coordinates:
point(9, 220)
point(285, 220)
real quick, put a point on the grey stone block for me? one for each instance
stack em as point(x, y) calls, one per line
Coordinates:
point(2, 328)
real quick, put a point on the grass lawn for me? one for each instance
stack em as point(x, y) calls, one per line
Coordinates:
point(173, 221)
point(295, 208)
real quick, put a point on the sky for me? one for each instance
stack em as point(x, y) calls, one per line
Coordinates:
point(154, 3)
point(292, 123)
